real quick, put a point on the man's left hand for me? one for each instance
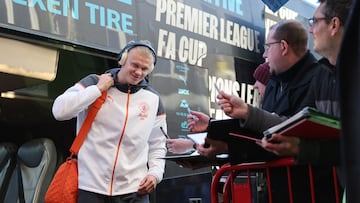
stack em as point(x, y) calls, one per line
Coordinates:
point(147, 185)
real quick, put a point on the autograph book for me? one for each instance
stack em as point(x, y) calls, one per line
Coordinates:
point(229, 130)
point(241, 141)
point(308, 123)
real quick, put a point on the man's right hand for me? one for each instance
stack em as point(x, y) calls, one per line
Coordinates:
point(197, 121)
point(105, 82)
point(233, 106)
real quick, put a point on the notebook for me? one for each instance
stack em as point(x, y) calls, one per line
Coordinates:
point(308, 123)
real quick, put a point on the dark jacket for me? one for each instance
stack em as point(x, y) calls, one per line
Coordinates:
point(324, 96)
point(285, 93)
point(324, 91)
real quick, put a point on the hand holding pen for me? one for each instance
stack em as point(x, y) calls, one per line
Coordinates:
point(180, 145)
point(233, 106)
point(197, 121)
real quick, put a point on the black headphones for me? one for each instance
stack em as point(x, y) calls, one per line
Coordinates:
point(123, 53)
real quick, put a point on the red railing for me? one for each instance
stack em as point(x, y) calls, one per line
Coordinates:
point(242, 192)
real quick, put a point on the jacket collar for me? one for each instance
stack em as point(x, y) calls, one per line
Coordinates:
point(290, 74)
point(127, 87)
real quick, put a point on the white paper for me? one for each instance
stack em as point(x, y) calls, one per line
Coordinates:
point(198, 138)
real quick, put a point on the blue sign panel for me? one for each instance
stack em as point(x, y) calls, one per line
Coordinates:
point(274, 5)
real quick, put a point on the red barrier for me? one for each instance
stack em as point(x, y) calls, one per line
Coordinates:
point(236, 192)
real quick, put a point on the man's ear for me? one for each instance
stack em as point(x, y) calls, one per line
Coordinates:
point(335, 24)
point(284, 47)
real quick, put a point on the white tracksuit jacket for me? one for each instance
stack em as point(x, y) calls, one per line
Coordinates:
point(125, 142)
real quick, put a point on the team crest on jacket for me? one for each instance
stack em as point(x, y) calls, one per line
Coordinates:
point(144, 108)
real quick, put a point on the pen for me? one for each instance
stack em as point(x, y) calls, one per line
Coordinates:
point(245, 137)
point(192, 140)
point(166, 135)
point(188, 110)
point(217, 88)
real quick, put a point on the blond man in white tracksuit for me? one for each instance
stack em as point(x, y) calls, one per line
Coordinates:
point(120, 159)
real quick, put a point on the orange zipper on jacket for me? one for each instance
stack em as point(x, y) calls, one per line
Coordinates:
point(121, 137)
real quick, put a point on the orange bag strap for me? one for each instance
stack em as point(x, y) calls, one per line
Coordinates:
point(94, 108)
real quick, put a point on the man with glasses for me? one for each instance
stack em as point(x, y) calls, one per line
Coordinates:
point(292, 67)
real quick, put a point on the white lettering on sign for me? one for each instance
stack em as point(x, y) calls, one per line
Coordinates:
point(98, 14)
point(54, 6)
point(190, 50)
point(185, 17)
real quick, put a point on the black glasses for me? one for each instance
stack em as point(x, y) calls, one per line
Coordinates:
point(267, 45)
point(313, 20)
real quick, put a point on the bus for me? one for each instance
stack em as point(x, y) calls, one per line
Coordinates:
point(48, 45)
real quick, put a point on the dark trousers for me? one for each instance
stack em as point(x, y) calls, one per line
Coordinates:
point(86, 197)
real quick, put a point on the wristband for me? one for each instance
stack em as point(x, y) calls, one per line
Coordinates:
point(194, 145)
